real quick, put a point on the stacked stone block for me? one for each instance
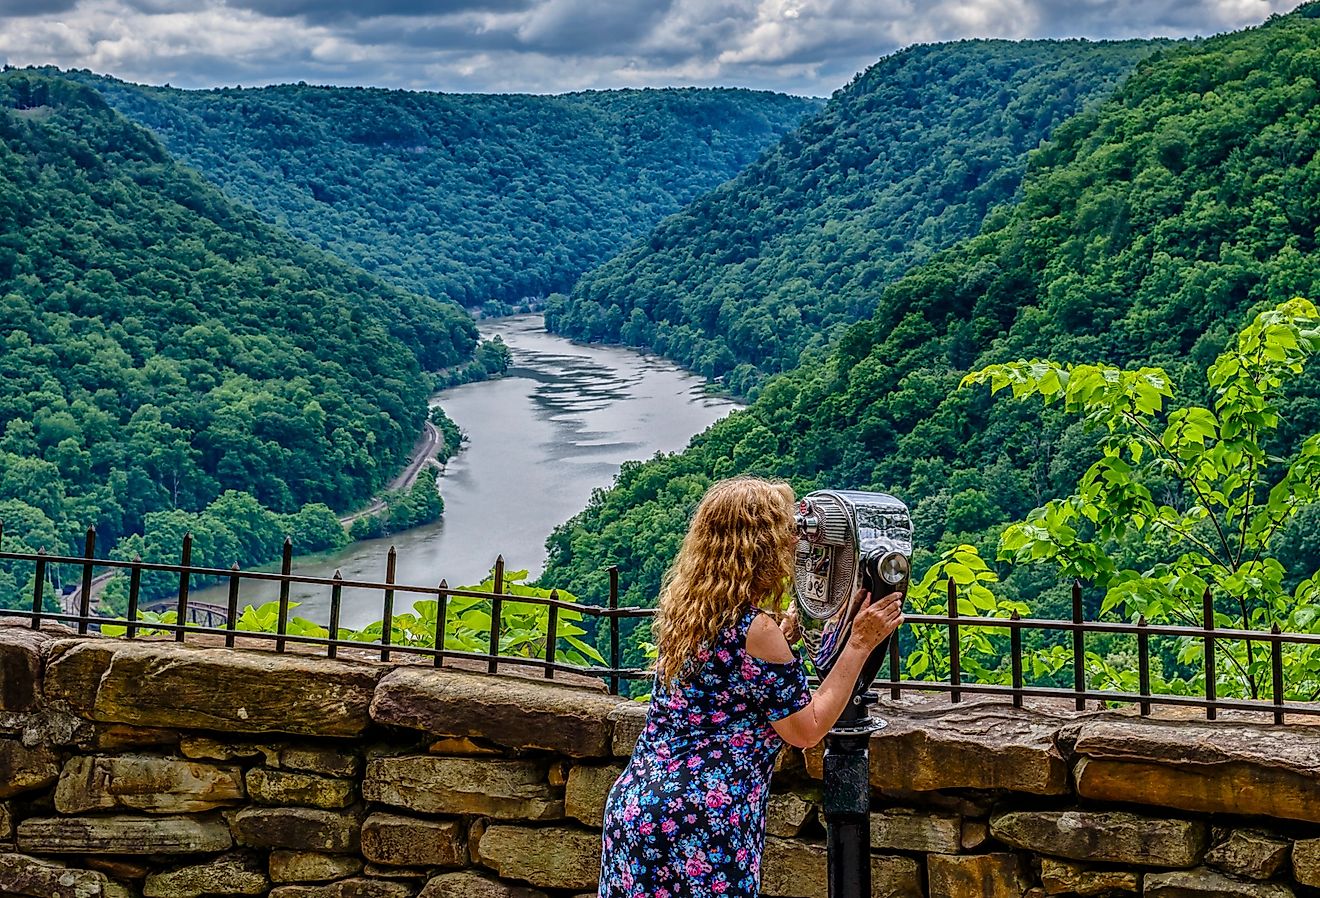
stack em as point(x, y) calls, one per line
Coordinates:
point(150, 770)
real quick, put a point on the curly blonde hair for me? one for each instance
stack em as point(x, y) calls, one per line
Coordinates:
point(737, 554)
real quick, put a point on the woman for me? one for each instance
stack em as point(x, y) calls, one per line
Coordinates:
point(687, 817)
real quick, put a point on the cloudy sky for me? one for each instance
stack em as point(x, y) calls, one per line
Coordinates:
point(799, 46)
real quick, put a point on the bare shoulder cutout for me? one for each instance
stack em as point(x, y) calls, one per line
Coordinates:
point(766, 642)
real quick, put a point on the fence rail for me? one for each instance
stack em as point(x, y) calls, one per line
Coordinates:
point(206, 619)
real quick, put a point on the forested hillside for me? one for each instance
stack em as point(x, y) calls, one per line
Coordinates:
point(903, 162)
point(466, 197)
point(1149, 229)
point(161, 345)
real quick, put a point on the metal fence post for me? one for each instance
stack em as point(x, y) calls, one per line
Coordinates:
point(1211, 668)
point(85, 598)
point(496, 612)
point(614, 629)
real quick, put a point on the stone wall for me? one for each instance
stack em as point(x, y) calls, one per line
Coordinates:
point(150, 769)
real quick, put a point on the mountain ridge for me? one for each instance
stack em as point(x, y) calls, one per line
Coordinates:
point(1150, 228)
point(469, 197)
point(907, 158)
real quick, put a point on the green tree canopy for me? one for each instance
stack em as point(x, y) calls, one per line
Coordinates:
point(1151, 228)
point(473, 198)
point(904, 161)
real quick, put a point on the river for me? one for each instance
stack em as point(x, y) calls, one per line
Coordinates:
point(556, 426)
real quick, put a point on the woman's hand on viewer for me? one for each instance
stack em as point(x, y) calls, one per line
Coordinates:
point(876, 621)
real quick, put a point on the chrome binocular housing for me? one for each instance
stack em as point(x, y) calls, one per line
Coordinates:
point(847, 540)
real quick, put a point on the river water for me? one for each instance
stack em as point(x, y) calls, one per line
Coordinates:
point(556, 426)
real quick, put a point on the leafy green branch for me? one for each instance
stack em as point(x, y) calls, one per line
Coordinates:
point(1224, 496)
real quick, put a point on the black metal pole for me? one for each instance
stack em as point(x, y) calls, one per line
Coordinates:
point(846, 794)
point(847, 806)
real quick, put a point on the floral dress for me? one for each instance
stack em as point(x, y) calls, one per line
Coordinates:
point(687, 817)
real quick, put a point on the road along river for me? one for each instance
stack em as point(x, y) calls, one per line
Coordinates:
point(542, 437)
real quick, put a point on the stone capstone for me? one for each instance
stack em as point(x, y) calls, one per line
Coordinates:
point(145, 783)
point(123, 834)
point(465, 884)
point(301, 829)
point(20, 667)
point(793, 868)
point(552, 857)
point(154, 684)
point(33, 878)
point(1218, 768)
point(284, 787)
point(508, 711)
point(397, 841)
point(1306, 862)
point(586, 790)
point(310, 866)
point(976, 745)
point(904, 829)
point(1206, 883)
point(358, 887)
point(509, 790)
point(1116, 837)
point(234, 874)
point(996, 875)
point(24, 769)
point(1066, 878)
point(1249, 853)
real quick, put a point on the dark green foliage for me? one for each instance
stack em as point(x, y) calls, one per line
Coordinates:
point(466, 197)
point(903, 162)
point(419, 504)
point(1149, 230)
point(234, 529)
point(454, 437)
point(159, 346)
point(490, 359)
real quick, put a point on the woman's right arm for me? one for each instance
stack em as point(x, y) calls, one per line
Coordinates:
point(877, 620)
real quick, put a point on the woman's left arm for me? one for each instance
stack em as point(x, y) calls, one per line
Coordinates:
point(805, 727)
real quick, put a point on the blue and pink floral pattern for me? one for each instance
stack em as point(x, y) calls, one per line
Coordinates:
point(687, 817)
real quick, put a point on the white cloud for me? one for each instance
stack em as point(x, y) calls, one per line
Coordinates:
point(801, 46)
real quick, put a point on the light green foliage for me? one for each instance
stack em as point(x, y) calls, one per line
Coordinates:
point(146, 618)
point(981, 648)
point(1187, 499)
point(524, 626)
point(260, 619)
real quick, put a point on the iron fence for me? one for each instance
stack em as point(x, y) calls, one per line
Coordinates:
point(207, 619)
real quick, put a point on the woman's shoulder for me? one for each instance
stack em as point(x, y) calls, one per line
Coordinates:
point(765, 641)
